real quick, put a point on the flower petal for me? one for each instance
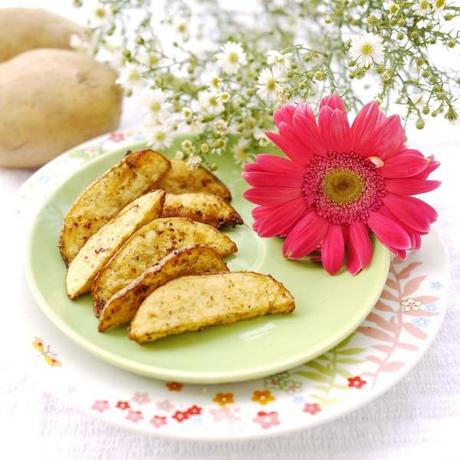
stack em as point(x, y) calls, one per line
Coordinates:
point(389, 232)
point(410, 186)
point(271, 163)
point(270, 179)
point(275, 221)
point(363, 128)
point(303, 109)
point(334, 102)
point(415, 213)
point(333, 249)
point(404, 165)
point(291, 147)
point(311, 138)
point(284, 114)
point(305, 236)
point(340, 132)
point(272, 196)
point(359, 247)
point(432, 166)
point(389, 137)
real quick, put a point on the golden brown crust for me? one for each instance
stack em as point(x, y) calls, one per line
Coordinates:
point(101, 246)
point(182, 179)
point(202, 207)
point(122, 306)
point(100, 201)
point(192, 303)
point(148, 246)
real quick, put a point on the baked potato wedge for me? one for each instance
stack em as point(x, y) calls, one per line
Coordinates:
point(148, 246)
point(182, 179)
point(124, 304)
point(133, 176)
point(201, 207)
point(101, 246)
point(191, 303)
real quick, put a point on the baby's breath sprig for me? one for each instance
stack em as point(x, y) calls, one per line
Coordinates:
point(211, 72)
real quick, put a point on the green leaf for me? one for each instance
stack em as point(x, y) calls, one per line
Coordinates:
point(313, 376)
point(344, 342)
point(350, 351)
point(320, 368)
point(344, 373)
point(350, 361)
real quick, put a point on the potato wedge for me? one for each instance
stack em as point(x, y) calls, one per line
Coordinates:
point(148, 246)
point(106, 196)
point(124, 304)
point(182, 179)
point(108, 239)
point(191, 303)
point(201, 207)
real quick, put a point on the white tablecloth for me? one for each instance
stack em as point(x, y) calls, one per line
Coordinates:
point(419, 418)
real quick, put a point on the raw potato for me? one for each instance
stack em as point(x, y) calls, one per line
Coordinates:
point(108, 239)
point(148, 246)
point(52, 100)
point(123, 305)
point(23, 29)
point(106, 196)
point(191, 303)
point(201, 207)
point(182, 179)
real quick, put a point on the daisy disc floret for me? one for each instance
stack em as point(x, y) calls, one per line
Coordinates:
point(339, 184)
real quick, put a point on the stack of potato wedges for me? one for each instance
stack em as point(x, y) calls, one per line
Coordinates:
point(145, 240)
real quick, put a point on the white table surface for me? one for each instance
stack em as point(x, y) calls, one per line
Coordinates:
point(418, 418)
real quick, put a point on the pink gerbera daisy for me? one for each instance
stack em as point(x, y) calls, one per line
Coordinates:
point(339, 183)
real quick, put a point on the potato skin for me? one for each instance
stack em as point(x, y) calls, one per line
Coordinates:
point(195, 302)
point(202, 207)
point(130, 178)
point(148, 246)
point(122, 306)
point(23, 29)
point(101, 246)
point(53, 100)
point(182, 179)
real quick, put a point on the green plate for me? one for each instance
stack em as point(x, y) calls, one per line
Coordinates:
point(328, 308)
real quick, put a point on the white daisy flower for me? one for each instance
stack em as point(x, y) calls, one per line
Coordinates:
point(131, 77)
point(366, 49)
point(194, 161)
point(267, 84)
point(214, 81)
point(147, 59)
point(439, 5)
point(423, 7)
point(280, 62)
point(221, 127)
point(210, 102)
point(99, 14)
point(158, 106)
point(160, 135)
point(231, 57)
point(180, 26)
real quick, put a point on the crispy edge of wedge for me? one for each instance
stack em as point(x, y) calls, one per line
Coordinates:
point(123, 305)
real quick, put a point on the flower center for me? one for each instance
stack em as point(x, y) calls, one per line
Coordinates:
point(343, 187)
point(155, 106)
point(233, 58)
point(367, 49)
point(271, 84)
